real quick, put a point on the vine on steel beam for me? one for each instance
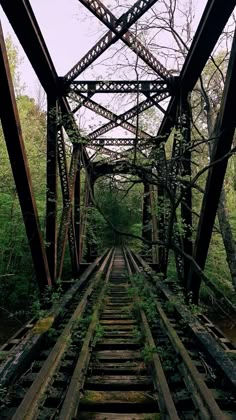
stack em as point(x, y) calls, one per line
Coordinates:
point(51, 193)
point(131, 40)
point(17, 155)
point(223, 135)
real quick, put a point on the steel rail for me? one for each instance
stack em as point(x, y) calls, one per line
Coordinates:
point(166, 402)
point(72, 398)
point(201, 395)
point(210, 345)
point(29, 406)
point(34, 332)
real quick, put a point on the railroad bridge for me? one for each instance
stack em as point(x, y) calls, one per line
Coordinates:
point(119, 346)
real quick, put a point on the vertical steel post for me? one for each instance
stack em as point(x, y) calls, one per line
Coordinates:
point(17, 155)
point(51, 194)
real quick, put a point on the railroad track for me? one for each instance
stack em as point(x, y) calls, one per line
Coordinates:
point(121, 355)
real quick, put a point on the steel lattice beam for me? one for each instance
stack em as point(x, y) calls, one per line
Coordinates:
point(130, 39)
point(123, 141)
point(119, 86)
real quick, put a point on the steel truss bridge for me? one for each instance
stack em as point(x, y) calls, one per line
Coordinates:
point(67, 94)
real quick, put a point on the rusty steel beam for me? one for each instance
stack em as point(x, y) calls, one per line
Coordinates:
point(214, 16)
point(130, 39)
point(132, 112)
point(104, 112)
point(51, 193)
point(119, 86)
point(18, 159)
point(223, 134)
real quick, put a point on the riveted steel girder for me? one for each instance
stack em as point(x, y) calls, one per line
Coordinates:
point(130, 39)
point(121, 141)
point(119, 86)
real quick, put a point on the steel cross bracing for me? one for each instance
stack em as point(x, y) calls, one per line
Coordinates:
point(130, 39)
point(132, 112)
point(104, 112)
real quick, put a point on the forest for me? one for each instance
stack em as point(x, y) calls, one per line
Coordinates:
point(115, 214)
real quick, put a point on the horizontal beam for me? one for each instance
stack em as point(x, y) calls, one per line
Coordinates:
point(120, 141)
point(120, 86)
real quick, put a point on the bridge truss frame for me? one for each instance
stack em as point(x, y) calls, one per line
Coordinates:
point(48, 262)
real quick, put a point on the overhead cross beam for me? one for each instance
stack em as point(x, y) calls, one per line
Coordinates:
point(119, 86)
point(125, 141)
point(130, 39)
